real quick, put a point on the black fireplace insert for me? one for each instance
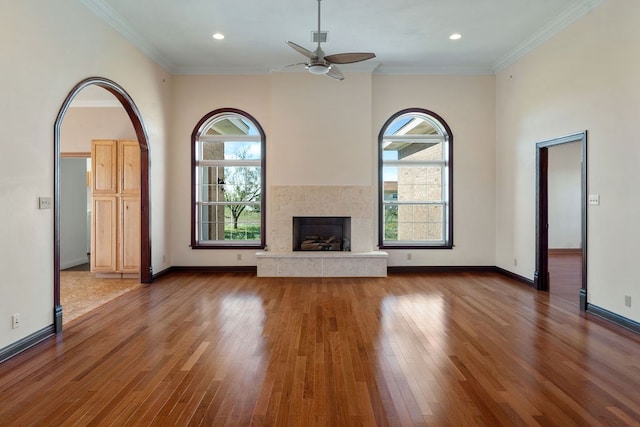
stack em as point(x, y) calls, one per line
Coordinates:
point(321, 233)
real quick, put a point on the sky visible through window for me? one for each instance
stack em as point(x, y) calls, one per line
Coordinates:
point(248, 150)
point(390, 174)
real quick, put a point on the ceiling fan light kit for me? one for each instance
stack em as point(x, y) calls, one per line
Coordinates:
point(318, 68)
point(319, 63)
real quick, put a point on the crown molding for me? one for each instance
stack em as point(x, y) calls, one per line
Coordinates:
point(360, 67)
point(434, 70)
point(107, 14)
point(559, 23)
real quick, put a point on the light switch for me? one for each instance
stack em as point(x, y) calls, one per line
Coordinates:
point(594, 199)
point(45, 203)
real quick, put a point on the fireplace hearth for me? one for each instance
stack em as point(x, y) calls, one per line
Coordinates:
point(320, 233)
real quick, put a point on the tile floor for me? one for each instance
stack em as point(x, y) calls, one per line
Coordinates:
point(81, 291)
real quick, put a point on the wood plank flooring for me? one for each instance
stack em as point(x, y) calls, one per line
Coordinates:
point(565, 274)
point(407, 350)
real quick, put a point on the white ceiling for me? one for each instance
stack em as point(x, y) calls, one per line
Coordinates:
point(407, 36)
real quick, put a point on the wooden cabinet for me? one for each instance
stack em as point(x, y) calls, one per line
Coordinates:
point(115, 219)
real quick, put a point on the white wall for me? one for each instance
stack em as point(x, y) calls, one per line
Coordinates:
point(48, 47)
point(565, 196)
point(73, 212)
point(586, 77)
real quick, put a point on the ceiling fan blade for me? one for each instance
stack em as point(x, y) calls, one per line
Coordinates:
point(334, 72)
point(302, 50)
point(349, 58)
point(275, 70)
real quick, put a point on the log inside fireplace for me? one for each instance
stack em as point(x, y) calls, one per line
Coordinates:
point(321, 233)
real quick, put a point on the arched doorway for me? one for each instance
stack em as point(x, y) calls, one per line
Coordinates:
point(145, 238)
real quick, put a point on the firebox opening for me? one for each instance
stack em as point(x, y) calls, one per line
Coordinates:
point(321, 233)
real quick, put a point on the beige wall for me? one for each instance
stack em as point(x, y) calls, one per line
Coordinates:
point(466, 103)
point(48, 47)
point(193, 98)
point(81, 125)
point(585, 78)
point(321, 132)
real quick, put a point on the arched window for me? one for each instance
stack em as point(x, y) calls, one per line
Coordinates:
point(415, 188)
point(228, 181)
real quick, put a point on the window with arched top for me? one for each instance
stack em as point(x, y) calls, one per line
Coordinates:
point(415, 185)
point(228, 181)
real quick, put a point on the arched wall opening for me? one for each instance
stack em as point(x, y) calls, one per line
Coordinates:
point(145, 238)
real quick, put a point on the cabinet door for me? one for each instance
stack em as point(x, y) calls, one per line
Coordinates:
point(129, 235)
point(104, 166)
point(103, 234)
point(129, 166)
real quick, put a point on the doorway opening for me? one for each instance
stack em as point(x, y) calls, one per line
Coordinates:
point(145, 242)
point(561, 230)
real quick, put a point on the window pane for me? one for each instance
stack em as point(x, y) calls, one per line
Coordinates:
point(420, 223)
point(420, 184)
point(414, 151)
point(212, 222)
point(231, 150)
point(230, 124)
point(242, 222)
point(230, 222)
point(242, 183)
point(211, 182)
point(413, 124)
point(390, 222)
point(232, 183)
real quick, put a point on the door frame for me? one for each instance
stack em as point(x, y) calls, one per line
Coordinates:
point(541, 275)
point(146, 273)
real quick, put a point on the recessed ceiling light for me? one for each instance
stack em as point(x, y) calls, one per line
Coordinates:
point(218, 36)
point(455, 36)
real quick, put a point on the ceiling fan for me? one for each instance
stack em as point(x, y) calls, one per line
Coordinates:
point(319, 63)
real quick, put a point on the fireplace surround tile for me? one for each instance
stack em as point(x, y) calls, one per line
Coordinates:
point(322, 264)
point(357, 202)
point(313, 200)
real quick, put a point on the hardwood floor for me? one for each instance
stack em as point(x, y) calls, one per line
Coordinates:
point(565, 274)
point(233, 349)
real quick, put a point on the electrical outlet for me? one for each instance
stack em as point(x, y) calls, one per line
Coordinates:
point(239, 257)
point(409, 256)
point(15, 320)
point(515, 262)
point(627, 300)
